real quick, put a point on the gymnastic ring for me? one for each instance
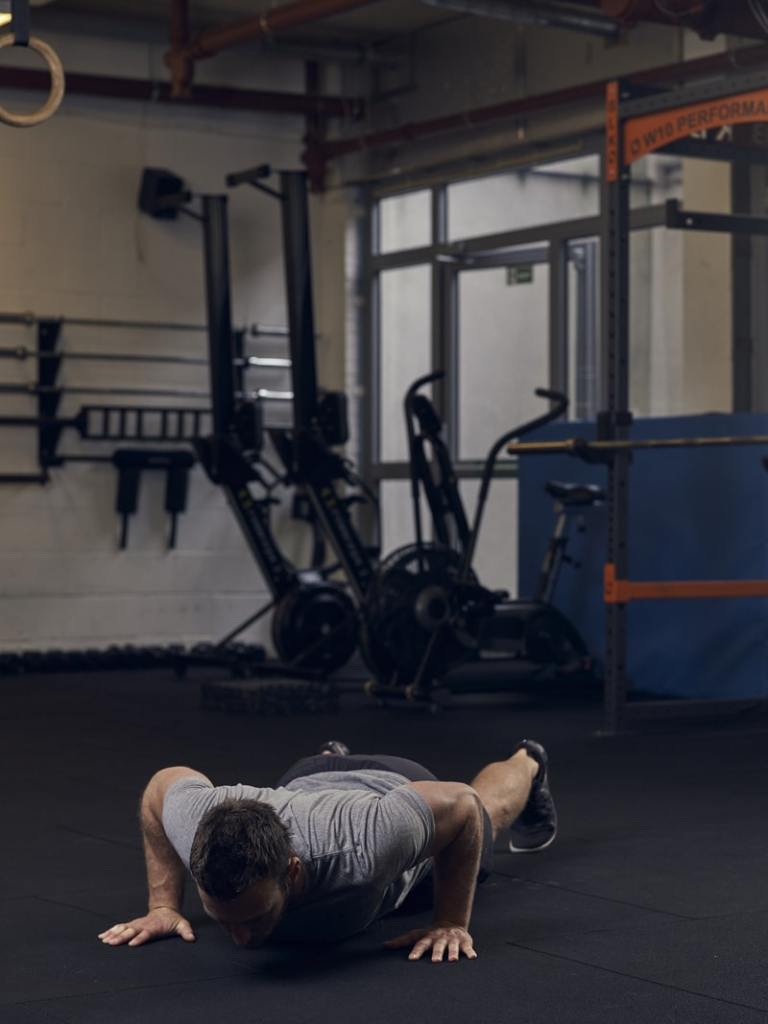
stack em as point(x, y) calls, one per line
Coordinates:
point(56, 94)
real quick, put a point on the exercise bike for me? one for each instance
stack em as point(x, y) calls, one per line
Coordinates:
point(423, 610)
point(545, 635)
point(427, 613)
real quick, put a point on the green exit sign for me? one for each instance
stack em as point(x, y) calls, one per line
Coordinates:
point(520, 275)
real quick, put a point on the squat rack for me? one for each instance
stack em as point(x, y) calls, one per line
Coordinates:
point(639, 123)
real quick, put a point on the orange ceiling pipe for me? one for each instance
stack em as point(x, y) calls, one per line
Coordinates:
point(180, 58)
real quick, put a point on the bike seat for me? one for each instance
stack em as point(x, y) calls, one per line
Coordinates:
point(575, 495)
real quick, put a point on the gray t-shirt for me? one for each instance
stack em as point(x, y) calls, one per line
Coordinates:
point(360, 835)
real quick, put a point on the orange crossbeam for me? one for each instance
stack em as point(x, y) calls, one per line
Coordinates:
point(624, 591)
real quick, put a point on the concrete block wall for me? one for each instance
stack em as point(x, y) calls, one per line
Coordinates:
point(73, 244)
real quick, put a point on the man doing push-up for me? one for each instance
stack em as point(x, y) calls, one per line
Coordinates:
point(339, 842)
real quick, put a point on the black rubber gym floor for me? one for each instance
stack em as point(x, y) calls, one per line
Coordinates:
point(652, 905)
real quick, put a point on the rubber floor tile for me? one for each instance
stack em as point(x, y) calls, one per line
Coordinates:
point(503, 986)
point(724, 958)
point(690, 873)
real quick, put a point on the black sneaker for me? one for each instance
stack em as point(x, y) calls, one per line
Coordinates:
point(536, 827)
point(335, 747)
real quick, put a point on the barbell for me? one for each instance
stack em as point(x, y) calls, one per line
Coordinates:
point(582, 448)
point(23, 353)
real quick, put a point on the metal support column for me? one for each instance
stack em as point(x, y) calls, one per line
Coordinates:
point(298, 278)
point(48, 400)
point(558, 317)
point(217, 287)
point(316, 466)
point(614, 421)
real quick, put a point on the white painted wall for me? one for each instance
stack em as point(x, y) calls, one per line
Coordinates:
point(74, 244)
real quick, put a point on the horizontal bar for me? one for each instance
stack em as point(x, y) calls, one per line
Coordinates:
point(564, 231)
point(728, 223)
point(266, 395)
point(266, 363)
point(265, 330)
point(23, 353)
point(580, 446)
point(719, 88)
point(37, 389)
point(617, 591)
point(30, 319)
point(705, 149)
point(23, 478)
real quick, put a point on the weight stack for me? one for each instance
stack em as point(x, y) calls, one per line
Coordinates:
point(270, 697)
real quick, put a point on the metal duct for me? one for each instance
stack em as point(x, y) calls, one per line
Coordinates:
point(540, 15)
point(708, 17)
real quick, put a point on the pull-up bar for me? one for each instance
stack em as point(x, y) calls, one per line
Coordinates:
point(581, 447)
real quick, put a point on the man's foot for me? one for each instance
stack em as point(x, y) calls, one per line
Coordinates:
point(335, 747)
point(536, 826)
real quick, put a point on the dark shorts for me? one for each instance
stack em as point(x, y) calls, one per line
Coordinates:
point(414, 772)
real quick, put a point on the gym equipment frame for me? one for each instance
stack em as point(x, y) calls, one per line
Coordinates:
point(635, 126)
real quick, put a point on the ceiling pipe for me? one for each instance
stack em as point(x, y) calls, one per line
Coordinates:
point(180, 59)
point(707, 17)
point(145, 91)
point(721, 63)
point(542, 15)
point(182, 76)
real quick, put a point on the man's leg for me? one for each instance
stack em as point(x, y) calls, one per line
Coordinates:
point(516, 796)
point(504, 788)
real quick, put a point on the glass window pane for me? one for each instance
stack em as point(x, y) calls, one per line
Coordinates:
point(405, 222)
point(396, 511)
point(656, 178)
point(503, 353)
point(584, 384)
point(525, 198)
point(496, 555)
point(405, 326)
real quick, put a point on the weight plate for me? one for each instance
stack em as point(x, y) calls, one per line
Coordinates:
point(315, 626)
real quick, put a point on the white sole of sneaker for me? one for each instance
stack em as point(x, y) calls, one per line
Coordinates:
point(535, 849)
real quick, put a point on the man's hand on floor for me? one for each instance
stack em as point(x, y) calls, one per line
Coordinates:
point(438, 938)
point(160, 923)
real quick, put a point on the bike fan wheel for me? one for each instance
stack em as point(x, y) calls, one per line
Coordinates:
point(415, 593)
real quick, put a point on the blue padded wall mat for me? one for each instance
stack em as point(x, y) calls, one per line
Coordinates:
point(695, 514)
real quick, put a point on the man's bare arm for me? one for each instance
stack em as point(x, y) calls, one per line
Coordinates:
point(165, 871)
point(456, 849)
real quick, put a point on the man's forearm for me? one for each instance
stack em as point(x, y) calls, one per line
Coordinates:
point(165, 870)
point(456, 867)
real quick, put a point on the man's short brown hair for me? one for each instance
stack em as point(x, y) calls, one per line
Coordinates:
point(237, 843)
